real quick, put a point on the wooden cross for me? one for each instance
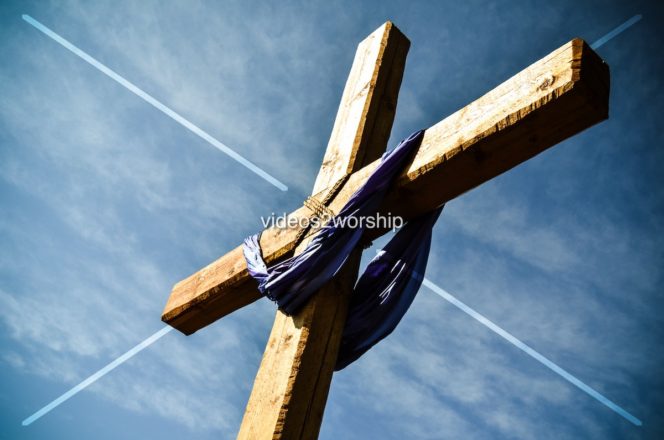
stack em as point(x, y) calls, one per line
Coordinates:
point(553, 99)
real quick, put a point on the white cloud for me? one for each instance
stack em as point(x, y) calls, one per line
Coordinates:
point(117, 202)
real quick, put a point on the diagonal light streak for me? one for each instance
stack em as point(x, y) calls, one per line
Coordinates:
point(620, 29)
point(99, 374)
point(528, 350)
point(155, 103)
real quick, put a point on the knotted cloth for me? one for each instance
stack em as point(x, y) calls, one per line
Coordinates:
point(385, 290)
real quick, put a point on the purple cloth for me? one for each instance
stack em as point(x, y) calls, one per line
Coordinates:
point(386, 289)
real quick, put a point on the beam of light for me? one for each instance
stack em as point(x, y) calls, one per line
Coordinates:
point(96, 376)
point(620, 29)
point(155, 103)
point(528, 350)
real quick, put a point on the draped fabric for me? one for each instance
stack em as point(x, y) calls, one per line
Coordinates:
point(385, 290)
point(292, 282)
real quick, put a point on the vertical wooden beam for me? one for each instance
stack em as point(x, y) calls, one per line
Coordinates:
point(291, 387)
point(290, 391)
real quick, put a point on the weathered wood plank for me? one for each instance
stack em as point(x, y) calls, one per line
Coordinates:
point(558, 96)
point(290, 391)
point(364, 120)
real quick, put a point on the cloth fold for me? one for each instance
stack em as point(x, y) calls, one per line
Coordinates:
point(385, 290)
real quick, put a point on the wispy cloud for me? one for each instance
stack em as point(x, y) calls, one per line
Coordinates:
point(106, 204)
point(155, 103)
point(97, 375)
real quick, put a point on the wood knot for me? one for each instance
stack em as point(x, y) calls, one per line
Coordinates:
point(547, 82)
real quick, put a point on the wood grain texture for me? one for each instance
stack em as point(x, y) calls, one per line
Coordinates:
point(290, 391)
point(558, 96)
point(364, 120)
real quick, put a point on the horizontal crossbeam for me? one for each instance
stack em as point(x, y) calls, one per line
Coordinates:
point(555, 98)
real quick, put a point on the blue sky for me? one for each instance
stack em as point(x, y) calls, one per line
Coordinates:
point(106, 203)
